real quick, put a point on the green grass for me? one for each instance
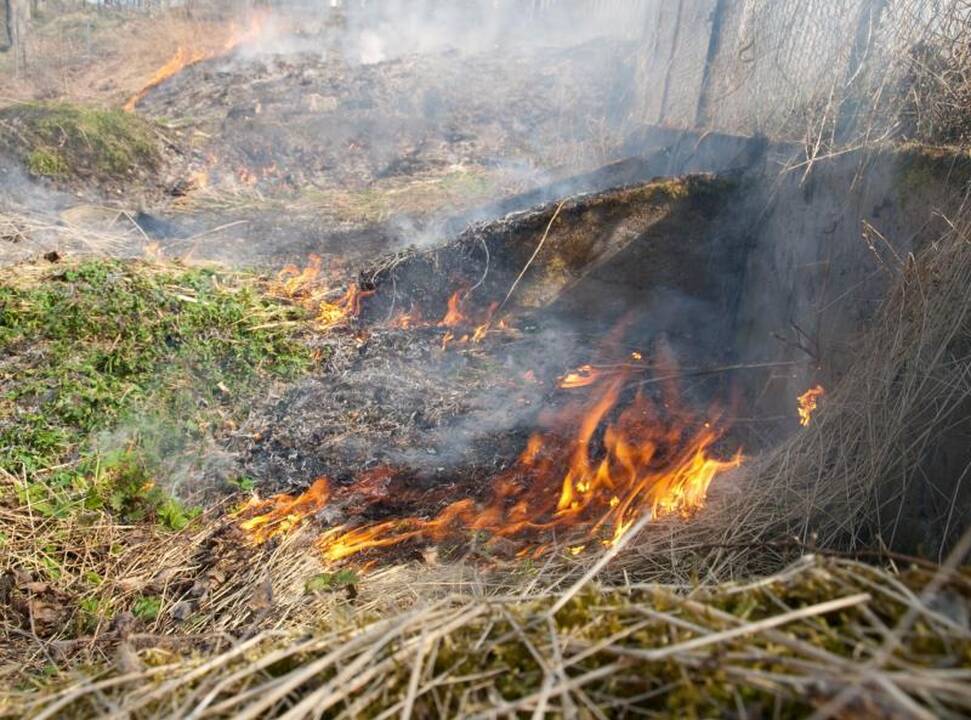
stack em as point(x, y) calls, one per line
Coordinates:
point(58, 140)
point(112, 374)
point(46, 163)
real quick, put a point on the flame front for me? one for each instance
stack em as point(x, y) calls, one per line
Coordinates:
point(306, 287)
point(807, 402)
point(588, 479)
point(453, 316)
point(185, 57)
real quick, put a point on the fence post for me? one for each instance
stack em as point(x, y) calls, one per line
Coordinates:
point(675, 39)
point(18, 19)
point(714, 45)
point(871, 14)
point(6, 26)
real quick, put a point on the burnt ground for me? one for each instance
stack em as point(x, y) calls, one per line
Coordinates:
point(286, 122)
point(275, 152)
point(395, 396)
point(311, 153)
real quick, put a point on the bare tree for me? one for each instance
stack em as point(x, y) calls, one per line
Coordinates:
point(17, 22)
point(6, 35)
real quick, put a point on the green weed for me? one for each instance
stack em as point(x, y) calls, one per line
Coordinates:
point(110, 370)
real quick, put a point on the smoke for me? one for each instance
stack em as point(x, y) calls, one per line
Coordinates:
point(377, 32)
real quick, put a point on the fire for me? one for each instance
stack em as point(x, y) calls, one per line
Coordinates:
point(246, 176)
point(581, 377)
point(199, 179)
point(347, 306)
point(304, 286)
point(407, 320)
point(807, 402)
point(603, 465)
point(255, 26)
point(482, 330)
point(453, 316)
point(185, 57)
point(284, 512)
point(459, 327)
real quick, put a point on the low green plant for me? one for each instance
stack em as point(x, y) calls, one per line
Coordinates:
point(46, 163)
point(332, 581)
point(147, 608)
point(111, 371)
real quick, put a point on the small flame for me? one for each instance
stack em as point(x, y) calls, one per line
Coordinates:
point(304, 286)
point(348, 306)
point(199, 179)
point(581, 377)
point(407, 320)
point(807, 403)
point(285, 512)
point(246, 176)
point(453, 316)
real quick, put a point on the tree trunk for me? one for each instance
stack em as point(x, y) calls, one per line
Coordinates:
point(6, 26)
point(18, 20)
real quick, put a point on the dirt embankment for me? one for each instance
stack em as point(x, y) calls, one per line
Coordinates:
point(92, 153)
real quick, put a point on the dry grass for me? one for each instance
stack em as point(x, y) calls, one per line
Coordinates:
point(83, 230)
point(873, 467)
point(103, 55)
point(819, 630)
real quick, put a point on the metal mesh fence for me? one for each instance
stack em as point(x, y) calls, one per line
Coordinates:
point(825, 71)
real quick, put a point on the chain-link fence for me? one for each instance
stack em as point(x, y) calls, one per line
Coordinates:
point(829, 72)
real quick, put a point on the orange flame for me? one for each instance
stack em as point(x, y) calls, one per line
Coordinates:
point(304, 286)
point(581, 377)
point(453, 316)
point(406, 320)
point(185, 57)
point(284, 512)
point(807, 402)
point(650, 463)
point(348, 306)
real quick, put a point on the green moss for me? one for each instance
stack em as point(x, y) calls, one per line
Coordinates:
point(111, 371)
point(60, 139)
point(924, 169)
point(147, 608)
